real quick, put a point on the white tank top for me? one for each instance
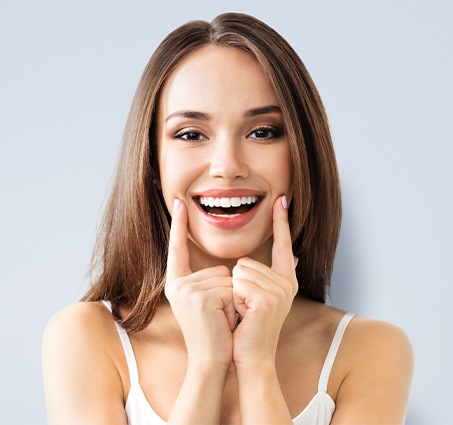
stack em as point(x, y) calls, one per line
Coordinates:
point(318, 412)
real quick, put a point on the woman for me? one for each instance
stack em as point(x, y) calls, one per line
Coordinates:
point(221, 315)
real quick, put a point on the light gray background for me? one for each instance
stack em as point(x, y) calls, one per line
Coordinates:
point(68, 73)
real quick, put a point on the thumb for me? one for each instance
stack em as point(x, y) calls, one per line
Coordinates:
point(230, 313)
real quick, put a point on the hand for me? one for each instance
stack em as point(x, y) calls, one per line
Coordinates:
point(263, 296)
point(202, 302)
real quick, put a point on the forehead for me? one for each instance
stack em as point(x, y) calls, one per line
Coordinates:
point(214, 78)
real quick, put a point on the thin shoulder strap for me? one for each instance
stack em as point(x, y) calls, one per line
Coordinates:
point(127, 347)
point(330, 358)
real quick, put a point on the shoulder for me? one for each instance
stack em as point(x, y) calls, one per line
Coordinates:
point(378, 335)
point(374, 342)
point(87, 326)
point(81, 336)
point(81, 365)
point(372, 373)
point(376, 360)
point(362, 335)
point(83, 320)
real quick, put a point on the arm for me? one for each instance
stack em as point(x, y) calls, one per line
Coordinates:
point(202, 303)
point(199, 400)
point(376, 389)
point(81, 381)
point(263, 297)
point(260, 396)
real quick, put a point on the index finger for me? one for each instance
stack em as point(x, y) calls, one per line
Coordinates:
point(282, 249)
point(178, 249)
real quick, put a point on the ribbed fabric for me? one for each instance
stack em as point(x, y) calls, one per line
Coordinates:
point(318, 412)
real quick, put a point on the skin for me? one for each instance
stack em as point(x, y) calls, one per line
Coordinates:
point(193, 368)
point(223, 150)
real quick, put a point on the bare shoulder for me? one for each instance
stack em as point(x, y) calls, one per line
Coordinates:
point(374, 347)
point(377, 337)
point(81, 366)
point(82, 321)
point(377, 360)
point(81, 331)
point(372, 373)
point(363, 336)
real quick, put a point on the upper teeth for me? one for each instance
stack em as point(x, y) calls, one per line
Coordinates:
point(209, 201)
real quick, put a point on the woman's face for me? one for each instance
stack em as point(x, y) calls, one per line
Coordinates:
point(222, 149)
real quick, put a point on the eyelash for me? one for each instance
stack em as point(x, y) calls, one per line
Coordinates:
point(276, 132)
point(183, 134)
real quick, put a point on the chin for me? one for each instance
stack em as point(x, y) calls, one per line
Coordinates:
point(226, 250)
point(232, 250)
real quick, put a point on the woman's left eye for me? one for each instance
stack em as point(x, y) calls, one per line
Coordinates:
point(264, 133)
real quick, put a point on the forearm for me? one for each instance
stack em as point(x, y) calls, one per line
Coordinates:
point(260, 397)
point(199, 400)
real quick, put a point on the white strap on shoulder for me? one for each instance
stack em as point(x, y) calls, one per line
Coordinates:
point(127, 347)
point(330, 358)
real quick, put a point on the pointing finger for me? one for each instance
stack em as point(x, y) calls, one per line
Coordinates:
point(282, 250)
point(178, 249)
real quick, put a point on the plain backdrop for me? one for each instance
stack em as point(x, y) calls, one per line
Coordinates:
point(384, 68)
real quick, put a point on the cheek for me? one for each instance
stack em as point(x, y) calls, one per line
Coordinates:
point(278, 168)
point(176, 174)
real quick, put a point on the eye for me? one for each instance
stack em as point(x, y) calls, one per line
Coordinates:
point(190, 136)
point(265, 133)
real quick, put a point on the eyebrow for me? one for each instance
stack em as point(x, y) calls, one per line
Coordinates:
point(261, 111)
point(202, 116)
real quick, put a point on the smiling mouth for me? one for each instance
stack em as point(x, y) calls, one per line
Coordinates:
point(228, 207)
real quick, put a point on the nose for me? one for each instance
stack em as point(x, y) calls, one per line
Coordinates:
point(227, 160)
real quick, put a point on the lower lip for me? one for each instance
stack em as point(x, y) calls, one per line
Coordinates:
point(229, 223)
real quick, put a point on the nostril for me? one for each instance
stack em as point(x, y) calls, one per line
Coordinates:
point(231, 169)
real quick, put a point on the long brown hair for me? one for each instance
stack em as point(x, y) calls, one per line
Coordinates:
point(129, 259)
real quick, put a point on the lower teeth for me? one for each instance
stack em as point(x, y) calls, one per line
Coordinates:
point(225, 215)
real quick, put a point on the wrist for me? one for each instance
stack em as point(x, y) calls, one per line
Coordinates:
point(255, 369)
point(254, 361)
point(206, 367)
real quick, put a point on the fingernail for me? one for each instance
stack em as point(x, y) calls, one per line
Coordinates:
point(284, 202)
point(176, 205)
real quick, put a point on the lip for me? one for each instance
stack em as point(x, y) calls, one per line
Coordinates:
point(232, 223)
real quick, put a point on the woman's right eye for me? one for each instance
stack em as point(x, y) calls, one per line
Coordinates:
point(190, 136)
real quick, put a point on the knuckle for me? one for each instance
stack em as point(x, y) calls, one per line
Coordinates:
point(223, 270)
point(185, 289)
point(266, 302)
point(200, 299)
point(174, 287)
point(288, 290)
point(282, 292)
